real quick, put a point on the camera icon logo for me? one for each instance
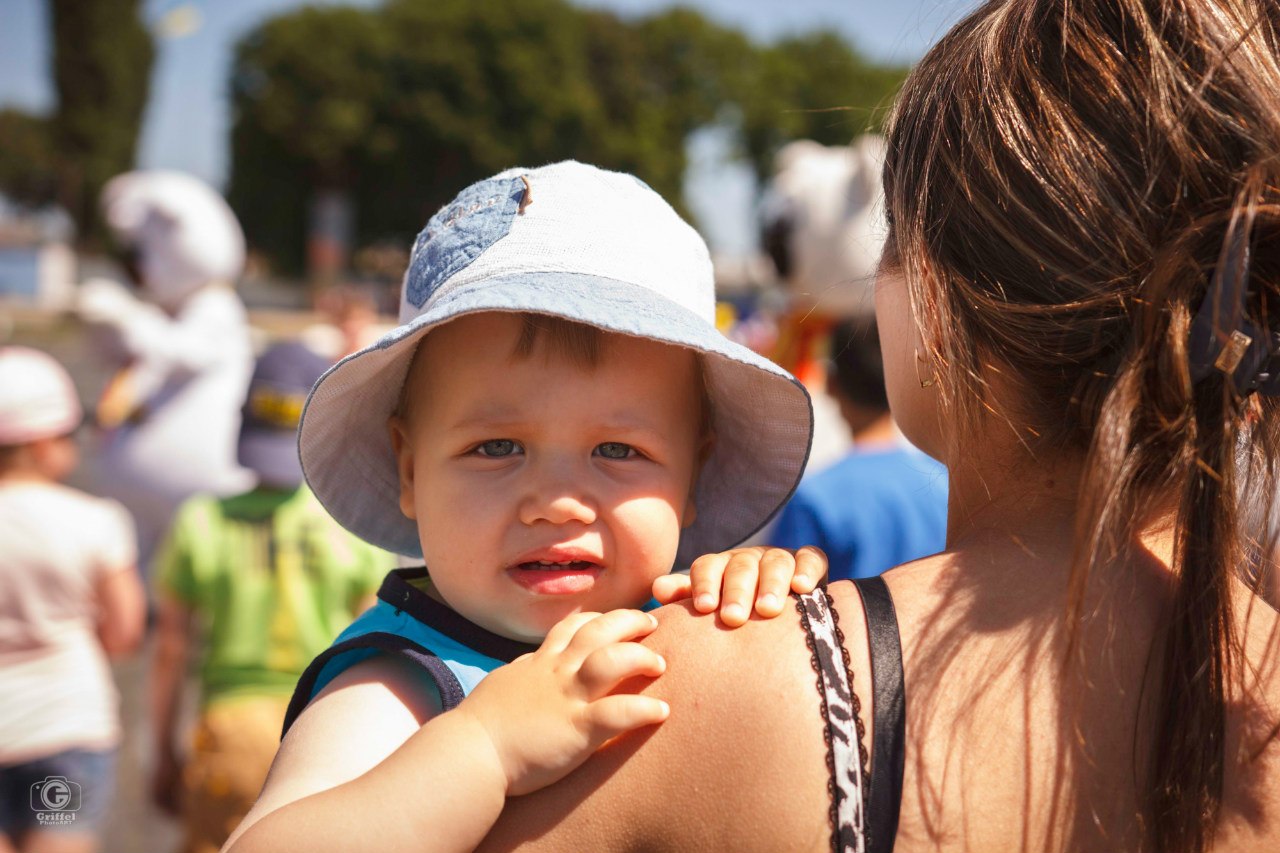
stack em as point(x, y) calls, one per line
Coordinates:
point(55, 794)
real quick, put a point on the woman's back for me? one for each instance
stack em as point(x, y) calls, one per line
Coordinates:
point(1010, 749)
point(994, 761)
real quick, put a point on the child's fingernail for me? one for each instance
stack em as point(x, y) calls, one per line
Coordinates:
point(734, 611)
point(769, 600)
point(706, 601)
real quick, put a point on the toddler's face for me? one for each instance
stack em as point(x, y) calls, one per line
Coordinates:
point(542, 487)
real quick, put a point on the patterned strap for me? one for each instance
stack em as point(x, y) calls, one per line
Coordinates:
point(841, 711)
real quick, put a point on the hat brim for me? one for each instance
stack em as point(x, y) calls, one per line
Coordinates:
point(761, 415)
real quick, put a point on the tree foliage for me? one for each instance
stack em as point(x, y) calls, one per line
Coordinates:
point(102, 56)
point(812, 87)
point(400, 106)
point(28, 167)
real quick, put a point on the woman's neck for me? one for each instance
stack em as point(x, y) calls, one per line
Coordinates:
point(1031, 503)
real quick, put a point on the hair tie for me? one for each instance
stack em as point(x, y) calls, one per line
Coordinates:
point(1223, 338)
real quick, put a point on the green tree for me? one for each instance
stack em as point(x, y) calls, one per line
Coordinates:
point(102, 56)
point(308, 91)
point(400, 106)
point(28, 167)
point(658, 80)
point(815, 87)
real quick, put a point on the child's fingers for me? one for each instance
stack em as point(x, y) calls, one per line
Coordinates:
point(741, 578)
point(811, 568)
point(705, 575)
point(612, 715)
point(673, 587)
point(563, 632)
point(777, 567)
point(616, 626)
point(608, 666)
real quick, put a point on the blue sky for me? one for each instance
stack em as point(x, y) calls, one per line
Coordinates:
point(186, 125)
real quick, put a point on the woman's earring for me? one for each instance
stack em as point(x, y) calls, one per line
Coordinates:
point(924, 383)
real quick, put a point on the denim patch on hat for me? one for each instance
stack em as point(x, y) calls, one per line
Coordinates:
point(480, 216)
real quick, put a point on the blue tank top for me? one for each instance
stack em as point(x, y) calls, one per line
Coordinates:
point(454, 652)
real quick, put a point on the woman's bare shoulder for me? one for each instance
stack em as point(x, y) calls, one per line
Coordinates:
point(740, 764)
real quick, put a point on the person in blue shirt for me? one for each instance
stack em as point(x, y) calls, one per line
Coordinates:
point(886, 502)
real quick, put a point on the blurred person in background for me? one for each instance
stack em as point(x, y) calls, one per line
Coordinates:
point(70, 598)
point(883, 504)
point(269, 579)
point(169, 416)
point(349, 324)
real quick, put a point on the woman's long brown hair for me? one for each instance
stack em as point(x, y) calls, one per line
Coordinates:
point(1060, 182)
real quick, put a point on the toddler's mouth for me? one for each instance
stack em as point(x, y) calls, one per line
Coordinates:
point(548, 577)
point(549, 566)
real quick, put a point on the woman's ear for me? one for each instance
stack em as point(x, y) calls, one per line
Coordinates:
point(402, 446)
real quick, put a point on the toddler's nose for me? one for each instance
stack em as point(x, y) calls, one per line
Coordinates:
point(558, 498)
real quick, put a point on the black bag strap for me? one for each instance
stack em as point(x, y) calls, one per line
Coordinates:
point(890, 709)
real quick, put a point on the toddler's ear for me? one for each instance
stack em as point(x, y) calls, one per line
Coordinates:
point(403, 448)
point(690, 507)
point(690, 513)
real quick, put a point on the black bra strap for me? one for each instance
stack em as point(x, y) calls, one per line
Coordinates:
point(889, 699)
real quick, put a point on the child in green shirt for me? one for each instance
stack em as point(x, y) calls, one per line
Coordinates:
point(268, 579)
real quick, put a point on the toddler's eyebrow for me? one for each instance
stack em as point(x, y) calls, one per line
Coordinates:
point(498, 416)
point(487, 415)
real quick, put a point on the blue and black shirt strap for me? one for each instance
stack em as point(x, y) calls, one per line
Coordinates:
point(377, 642)
point(398, 590)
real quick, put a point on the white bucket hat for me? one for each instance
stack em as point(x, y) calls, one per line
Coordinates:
point(596, 247)
point(37, 397)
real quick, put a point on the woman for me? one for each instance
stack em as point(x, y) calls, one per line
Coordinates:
point(1076, 308)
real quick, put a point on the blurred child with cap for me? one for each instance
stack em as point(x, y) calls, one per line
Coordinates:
point(271, 579)
point(70, 598)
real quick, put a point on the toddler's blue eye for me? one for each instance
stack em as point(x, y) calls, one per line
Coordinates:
point(615, 450)
point(498, 447)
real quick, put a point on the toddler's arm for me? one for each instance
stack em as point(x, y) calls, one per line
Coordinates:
point(760, 575)
point(442, 787)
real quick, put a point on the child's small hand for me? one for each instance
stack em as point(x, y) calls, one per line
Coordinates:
point(547, 711)
point(761, 575)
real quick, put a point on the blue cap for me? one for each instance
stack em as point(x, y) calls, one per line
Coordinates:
point(282, 378)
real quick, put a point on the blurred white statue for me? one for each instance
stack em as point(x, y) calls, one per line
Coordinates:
point(823, 225)
point(170, 415)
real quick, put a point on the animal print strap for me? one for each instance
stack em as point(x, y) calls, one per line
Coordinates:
point(842, 714)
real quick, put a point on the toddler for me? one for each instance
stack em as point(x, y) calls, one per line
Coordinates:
point(554, 425)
